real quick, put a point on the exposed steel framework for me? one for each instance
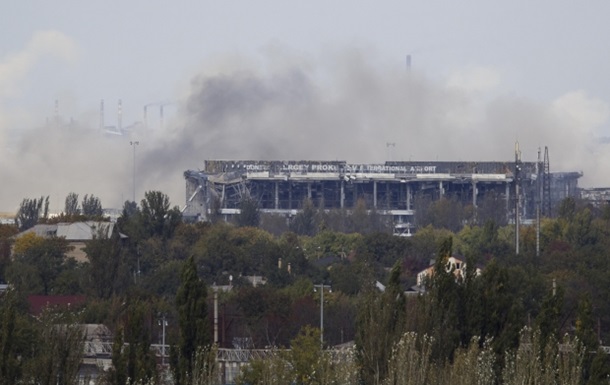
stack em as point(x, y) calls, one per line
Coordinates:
point(390, 188)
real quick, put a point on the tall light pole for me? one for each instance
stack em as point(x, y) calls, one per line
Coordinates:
point(163, 323)
point(134, 144)
point(322, 287)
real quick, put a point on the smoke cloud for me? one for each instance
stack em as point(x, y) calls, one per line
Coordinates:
point(345, 105)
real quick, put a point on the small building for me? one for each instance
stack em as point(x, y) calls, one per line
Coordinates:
point(455, 265)
point(77, 234)
point(97, 357)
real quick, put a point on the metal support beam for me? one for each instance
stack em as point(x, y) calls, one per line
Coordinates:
point(474, 193)
point(375, 194)
point(507, 195)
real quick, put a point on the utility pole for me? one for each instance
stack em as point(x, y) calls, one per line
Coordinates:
point(517, 194)
point(163, 323)
point(322, 287)
point(215, 288)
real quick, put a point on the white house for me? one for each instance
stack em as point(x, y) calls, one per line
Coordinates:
point(453, 264)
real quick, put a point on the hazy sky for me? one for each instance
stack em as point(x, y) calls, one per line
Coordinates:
point(293, 80)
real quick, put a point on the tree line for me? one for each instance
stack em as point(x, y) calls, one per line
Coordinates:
point(156, 264)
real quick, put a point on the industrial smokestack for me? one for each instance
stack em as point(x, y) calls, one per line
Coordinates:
point(409, 63)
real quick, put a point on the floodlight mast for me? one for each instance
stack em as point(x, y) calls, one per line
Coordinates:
point(134, 144)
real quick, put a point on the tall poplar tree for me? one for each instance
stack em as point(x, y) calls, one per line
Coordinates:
point(440, 304)
point(191, 303)
point(31, 211)
point(71, 206)
point(381, 322)
point(10, 366)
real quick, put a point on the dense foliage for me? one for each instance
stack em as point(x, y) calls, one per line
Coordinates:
point(155, 265)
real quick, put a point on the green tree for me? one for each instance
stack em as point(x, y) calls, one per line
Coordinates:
point(469, 311)
point(10, 365)
point(117, 375)
point(580, 230)
point(306, 357)
point(43, 257)
point(567, 209)
point(585, 332)
point(205, 368)
point(380, 322)
point(411, 363)
point(140, 358)
point(7, 233)
point(59, 350)
point(304, 364)
point(272, 370)
point(532, 364)
point(492, 208)
point(217, 251)
point(157, 216)
point(439, 307)
point(92, 206)
point(548, 320)
point(264, 314)
point(444, 213)
point(304, 223)
point(164, 280)
point(360, 221)
point(502, 310)
point(249, 213)
point(383, 249)
point(71, 205)
point(130, 222)
point(108, 270)
point(191, 304)
point(31, 211)
point(585, 325)
point(599, 371)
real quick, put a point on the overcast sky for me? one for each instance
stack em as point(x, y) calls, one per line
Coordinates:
point(262, 79)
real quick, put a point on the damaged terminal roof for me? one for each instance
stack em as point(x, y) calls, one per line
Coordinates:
point(280, 187)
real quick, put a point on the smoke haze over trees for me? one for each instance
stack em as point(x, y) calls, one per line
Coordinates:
point(344, 104)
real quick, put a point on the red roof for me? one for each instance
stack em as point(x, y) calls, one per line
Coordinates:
point(40, 302)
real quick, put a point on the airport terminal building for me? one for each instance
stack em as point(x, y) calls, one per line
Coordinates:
point(281, 187)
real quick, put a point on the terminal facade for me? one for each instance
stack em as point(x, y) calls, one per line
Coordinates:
point(390, 188)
